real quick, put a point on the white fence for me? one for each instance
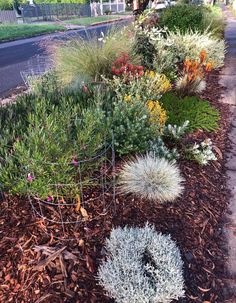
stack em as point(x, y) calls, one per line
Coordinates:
point(8, 17)
point(112, 6)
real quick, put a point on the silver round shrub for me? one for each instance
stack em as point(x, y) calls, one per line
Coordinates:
point(142, 266)
point(151, 178)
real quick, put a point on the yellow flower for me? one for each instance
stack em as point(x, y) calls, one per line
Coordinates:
point(151, 74)
point(158, 115)
point(127, 98)
point(150, 104)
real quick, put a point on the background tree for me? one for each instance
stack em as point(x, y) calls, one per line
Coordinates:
point(142, 4)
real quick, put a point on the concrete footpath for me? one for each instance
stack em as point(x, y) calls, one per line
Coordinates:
point(228, 80)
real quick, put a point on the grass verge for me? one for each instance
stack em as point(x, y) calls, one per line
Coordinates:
point(16, 31)
point(90, 20)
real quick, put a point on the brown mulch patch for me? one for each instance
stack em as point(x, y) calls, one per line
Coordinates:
point(35, 267)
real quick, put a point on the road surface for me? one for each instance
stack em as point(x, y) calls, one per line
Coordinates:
point(18, 56)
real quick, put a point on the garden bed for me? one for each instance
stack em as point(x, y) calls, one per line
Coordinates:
point(69, 275)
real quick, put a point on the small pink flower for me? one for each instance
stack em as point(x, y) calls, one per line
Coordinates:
point(75, 162)
point(49, 198)
point(30, 178)
point(85, 89)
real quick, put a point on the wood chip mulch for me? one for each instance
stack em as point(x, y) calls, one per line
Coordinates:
point(36, 267)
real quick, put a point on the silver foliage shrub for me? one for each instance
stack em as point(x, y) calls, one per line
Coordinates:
point(151, 178)
point(175, 131)
point(157, 148)
point(142, 266)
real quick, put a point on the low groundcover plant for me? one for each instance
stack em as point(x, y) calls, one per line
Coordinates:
point(141, 266)
point(202, 153)
point(151, 178)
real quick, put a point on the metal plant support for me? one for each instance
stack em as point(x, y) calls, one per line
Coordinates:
point(61, 217)
point(36, 67)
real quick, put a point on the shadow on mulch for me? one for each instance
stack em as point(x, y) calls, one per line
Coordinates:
point(37, 268)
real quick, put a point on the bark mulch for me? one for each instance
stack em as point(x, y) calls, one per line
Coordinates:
point(36, 267)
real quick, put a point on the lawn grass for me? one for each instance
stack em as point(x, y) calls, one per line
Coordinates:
point(90, 20)
point(16, 31)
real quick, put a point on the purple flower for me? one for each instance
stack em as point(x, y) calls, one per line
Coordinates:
point(30, 178)
point(75, 162)
point(49, 198)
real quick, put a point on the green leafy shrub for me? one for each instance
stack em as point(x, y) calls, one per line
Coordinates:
point(131, 126)
point(15, 115)
point(185, 17)
point(182, 17)
point(145, 49)
point(199, 113)
point(6, 4)
point(48, 141)
point(213, 20)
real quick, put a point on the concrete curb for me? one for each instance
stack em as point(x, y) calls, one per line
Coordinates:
point(66, 31)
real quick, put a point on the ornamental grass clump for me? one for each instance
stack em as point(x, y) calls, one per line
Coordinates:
point(151, 178)
point(87, 60)
point(142, 266)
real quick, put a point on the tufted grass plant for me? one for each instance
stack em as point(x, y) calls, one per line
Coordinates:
point(151, 178)
point(89, 59)
point(141, 266)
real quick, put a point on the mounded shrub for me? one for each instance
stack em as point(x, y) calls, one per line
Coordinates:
point(195, 17)
point(199, 113)
point(44, 139)
point(183, 17)
point(141, 266)
point(151, 178)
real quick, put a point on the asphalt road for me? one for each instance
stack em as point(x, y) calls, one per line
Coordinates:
point(22, 55)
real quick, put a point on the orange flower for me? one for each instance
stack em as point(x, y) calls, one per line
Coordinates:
point(203, 56)
point(190, 77)
point(195, 66)
point(209, 67)
point(187, 64)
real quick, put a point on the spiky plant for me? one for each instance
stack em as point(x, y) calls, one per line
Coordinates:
point(142, 266)
point(151, 178)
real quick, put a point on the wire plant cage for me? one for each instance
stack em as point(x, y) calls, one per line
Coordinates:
point(93, 196)
point(35, 67)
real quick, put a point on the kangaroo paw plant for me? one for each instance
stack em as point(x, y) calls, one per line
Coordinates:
point(142, 266)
